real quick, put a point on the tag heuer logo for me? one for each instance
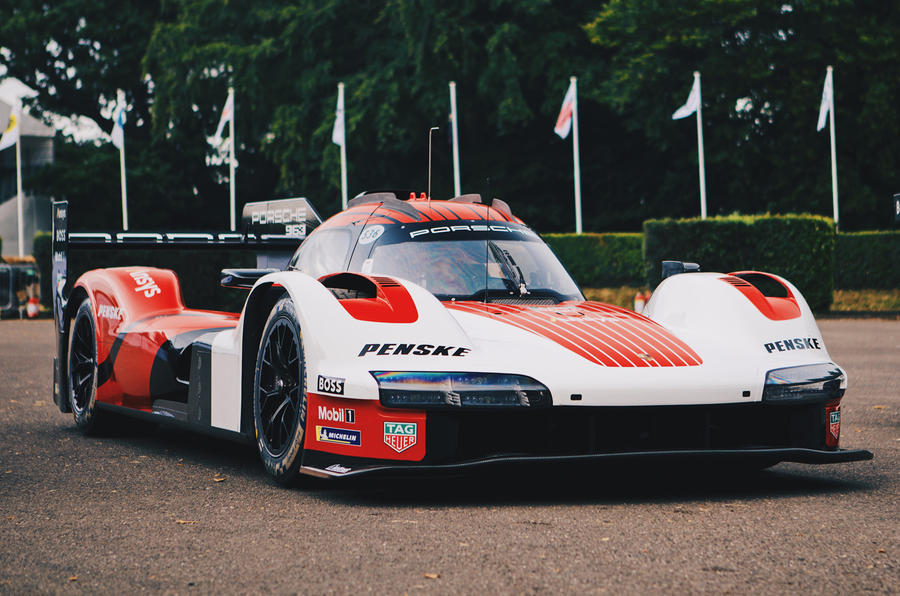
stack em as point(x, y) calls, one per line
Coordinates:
point(400, 436)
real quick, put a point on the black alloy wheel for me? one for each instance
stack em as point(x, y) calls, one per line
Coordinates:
point(279, 394)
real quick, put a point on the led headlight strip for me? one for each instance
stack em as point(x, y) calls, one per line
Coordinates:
point(811, 382)
point(459, 390)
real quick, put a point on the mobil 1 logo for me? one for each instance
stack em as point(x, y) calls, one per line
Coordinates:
point(332, 385)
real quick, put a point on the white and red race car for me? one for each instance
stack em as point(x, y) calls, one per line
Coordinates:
point(424, 334)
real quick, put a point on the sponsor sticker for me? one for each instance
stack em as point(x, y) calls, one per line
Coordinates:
point(412, 349)
point(371, 234)
point(347, 415)
point(330, 385)
point(796, 343)
point(834, 423)
point(339, 436)
point(400, 436)
point(338, 469)
point(145, 284)
point(109, 312)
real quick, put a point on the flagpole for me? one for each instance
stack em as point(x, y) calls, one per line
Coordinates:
point(702, 165)
point(120, 107)
point(124, 187)
point(453, 119)
point(576, 168)
point(20, 198)
point(834, 181)
point(343, 148)
point(232, 163)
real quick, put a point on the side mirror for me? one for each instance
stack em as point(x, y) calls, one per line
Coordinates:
point(670, 268)
point(242, 278)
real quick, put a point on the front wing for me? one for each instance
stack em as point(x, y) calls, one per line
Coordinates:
point(347, 437)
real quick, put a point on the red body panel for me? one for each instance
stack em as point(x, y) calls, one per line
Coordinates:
point(138, 309)
point(774, 308)
point(603, 334)
point(392, 303)
point(372, 433)
point(428, 211)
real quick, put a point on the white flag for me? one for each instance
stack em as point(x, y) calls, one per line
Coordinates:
point(117, 136)
point(827, 101)
point(227, 116)
point(564, 120)
point(11, 134)
point(692, 103)
point(337, 134)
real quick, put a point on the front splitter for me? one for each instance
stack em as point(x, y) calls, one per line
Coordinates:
point(344, 468)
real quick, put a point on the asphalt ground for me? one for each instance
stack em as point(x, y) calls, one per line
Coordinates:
point(165, 511)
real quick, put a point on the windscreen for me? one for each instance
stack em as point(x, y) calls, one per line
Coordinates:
point(462, 263)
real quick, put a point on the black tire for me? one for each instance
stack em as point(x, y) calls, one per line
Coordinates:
point(279, 394)
point(82, 371)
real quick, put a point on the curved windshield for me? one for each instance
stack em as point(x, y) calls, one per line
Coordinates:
point(456, 266)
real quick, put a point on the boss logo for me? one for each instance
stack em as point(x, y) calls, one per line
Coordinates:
point(330, 385)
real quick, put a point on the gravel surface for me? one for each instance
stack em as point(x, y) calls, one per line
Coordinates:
point(165, 511)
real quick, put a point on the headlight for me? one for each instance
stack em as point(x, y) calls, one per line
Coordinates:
point(811, 382)
point(459, 390)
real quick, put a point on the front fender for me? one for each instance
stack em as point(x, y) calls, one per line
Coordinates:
point(723, 318)
point(346, 338)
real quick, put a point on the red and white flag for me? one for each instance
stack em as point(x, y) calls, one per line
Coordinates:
point(564, 120)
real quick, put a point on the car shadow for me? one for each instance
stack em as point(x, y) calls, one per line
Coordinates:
point(508, 483)
point(590, 484)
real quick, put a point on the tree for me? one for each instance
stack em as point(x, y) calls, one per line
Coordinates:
point(762, 68)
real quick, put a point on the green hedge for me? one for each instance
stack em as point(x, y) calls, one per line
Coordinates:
point(800, 248)
point(600, 260)
point(867, 260)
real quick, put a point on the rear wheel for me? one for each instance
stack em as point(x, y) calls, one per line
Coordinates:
point(279, 394)
point(82, 377)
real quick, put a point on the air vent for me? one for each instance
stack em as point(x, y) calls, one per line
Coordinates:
point(736, 282)
point(386, 282)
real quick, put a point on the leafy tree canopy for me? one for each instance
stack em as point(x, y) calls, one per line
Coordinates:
point(762, 68)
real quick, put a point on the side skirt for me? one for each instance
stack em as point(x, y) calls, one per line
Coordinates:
point(167, 419)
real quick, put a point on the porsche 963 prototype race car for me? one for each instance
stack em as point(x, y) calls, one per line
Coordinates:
point(424, 334)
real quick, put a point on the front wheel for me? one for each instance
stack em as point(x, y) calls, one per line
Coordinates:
point(279, 394)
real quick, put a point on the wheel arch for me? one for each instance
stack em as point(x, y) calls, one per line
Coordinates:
point(259, 304)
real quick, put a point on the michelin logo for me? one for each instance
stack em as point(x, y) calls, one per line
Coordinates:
point(339, 436)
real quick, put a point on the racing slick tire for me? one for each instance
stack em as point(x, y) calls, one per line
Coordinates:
point(83, 371)
point(279, 394)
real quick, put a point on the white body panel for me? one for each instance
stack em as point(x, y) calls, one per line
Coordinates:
point(225, 381)
point(722, 326)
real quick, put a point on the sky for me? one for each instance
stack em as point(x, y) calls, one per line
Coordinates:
point(80, 128)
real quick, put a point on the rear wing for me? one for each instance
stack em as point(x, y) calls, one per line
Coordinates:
point(271, 229)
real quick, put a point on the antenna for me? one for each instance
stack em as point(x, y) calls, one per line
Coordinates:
point(430, 131)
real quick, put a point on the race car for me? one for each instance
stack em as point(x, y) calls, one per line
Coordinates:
point(418, 334)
